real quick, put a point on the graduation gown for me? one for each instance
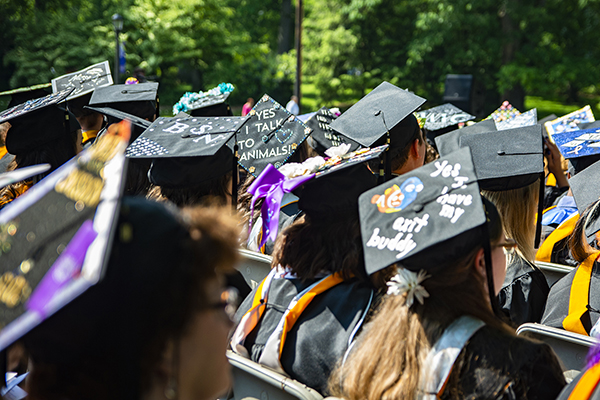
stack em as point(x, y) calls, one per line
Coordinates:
point(584, 310)
point(322, 334)
point(523, 295)
point(499, 365)
point(584, 387)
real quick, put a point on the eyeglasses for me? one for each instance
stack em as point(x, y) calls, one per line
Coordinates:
point(508, 246)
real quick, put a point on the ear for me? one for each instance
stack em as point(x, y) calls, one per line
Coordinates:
point(480, 264)
point(414, 149)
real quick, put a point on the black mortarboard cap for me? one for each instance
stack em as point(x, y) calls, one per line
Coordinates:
point(21, 95)
point(84, 81)
point(586, 194)
point(271, 136)
point(322, 136)
point(369, 120)
point(443, 116)
point(139, 125)
point(187, 151)
point(36, 122)
point(139, 99)
point(589, 125)
point(450, 142)
point(334, 191)
point(211, 106)
point(527, 118)
point(508, 159)
point(419, 211)
point(55, 237)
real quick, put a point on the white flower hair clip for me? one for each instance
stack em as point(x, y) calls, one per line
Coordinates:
point(408, 282)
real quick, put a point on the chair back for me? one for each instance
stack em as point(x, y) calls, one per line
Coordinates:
point(553, 272)
point(254, 267)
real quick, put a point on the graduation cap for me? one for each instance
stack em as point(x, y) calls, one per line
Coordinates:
point(55, 237)
point(139, 125)
point(580, 147)
point(140, 99)
point(187, 151)
point(525, 119)
point(505, 112)
point(382, 116)
point(589, 125)
point(546, 119)
point(20, 174)
point(328, 188)
point(419, 211)
point(84, 81)
point(570, 121)
point(271, 136)
point(586, 194)
point(443, 116)
point(322, 136)
point(509, 159)
point(36, 122)
point(450, 142)
point(21, 95)
point(212, 103)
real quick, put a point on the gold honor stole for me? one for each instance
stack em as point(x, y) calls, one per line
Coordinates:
point(544, 253)
point(579, 296)
point(586, 385)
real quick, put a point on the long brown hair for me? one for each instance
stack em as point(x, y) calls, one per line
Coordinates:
point(578, 243)
point(387, 361)
point(518, 208)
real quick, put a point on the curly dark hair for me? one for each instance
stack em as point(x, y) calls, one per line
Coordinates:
point(108, 342)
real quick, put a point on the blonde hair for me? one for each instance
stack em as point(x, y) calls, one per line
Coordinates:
point(387, 360)
point(518, 208)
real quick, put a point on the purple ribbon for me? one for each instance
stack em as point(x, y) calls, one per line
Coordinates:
point(64, 269)
point(272, 185)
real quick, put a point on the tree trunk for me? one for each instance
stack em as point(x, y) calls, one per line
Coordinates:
point(284, 39)
point(515, 95)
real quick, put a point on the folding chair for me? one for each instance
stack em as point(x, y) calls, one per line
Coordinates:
point(254, 381)
point(254, 267)
point(553, 272)
point(571, 348)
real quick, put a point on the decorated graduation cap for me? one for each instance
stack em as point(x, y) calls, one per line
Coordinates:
point(20, 174)
point(570, 121)
point(187, 151)
point(36, 123)
point(505, 112)
point(586, 194)
point(329, 187)
point(382, 116)
point(509, 159)
point(84, 81)
point(212, 103)
point(140, 99)
point(55, 237)
point(580, 147)
point(322, 136)
point(450, 142)
point(527, 118)
point(271, 136)
point(21, 95)
point(443, 116)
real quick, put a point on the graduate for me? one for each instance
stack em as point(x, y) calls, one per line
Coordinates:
point(303, 317)
point(436, 335)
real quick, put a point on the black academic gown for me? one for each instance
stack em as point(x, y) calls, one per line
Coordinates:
point(499, 365)
point(557, 306)
point(523, 295)
point(564, 395)
point(322, 334)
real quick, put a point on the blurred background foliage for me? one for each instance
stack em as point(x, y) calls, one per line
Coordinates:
point(530, 52)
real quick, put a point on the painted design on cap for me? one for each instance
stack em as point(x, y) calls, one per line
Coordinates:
point(397, 198)
point(34, 105)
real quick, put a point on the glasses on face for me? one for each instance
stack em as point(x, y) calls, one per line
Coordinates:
point(508, 246)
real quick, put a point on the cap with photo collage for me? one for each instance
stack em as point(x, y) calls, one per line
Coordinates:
point(271, 136)
point(187, 151)
point(37, 122)
point(450, 142)
point(140, 99)
point(581, 148)
point(322, 136)
point(585, 194)
point(55, 238)
point(444, 116)
point(384, 116)
point(510, 159)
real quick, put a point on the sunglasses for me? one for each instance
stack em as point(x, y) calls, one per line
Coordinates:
point(509, 246)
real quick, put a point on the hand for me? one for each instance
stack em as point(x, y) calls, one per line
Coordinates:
point(554, 163)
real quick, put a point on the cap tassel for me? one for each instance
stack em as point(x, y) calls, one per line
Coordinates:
point(540, 211)
point(385, 167)
point(234, 176)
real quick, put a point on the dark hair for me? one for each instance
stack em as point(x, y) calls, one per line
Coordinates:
point(152, 288)
point(578, 243)
point(310, 247)
point(213, 191)
point(399, 154)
